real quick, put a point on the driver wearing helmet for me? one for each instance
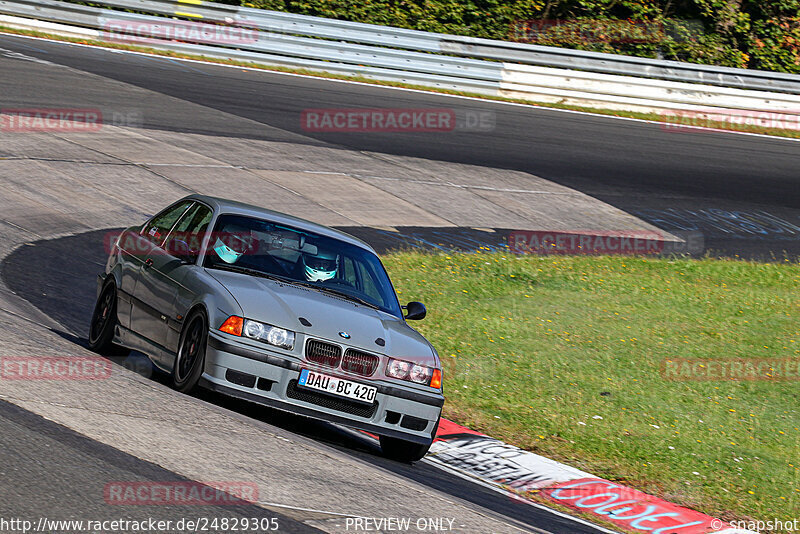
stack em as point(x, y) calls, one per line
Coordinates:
point(320, 266)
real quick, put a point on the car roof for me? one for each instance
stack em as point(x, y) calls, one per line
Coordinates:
point(225, 206)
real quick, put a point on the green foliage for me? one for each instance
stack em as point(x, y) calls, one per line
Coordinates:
point(566, 356)
point(759, 34)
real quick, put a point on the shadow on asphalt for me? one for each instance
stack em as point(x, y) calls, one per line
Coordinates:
point(59, 277)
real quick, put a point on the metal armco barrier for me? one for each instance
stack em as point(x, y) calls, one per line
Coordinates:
point(469, 46)
point(497, 68)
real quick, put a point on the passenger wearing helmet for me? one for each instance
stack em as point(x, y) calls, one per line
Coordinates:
point(233, 242)
point(320, 266)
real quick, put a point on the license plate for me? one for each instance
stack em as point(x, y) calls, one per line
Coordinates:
point(337, 386)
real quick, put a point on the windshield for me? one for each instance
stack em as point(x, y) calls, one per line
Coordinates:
point(262, 247)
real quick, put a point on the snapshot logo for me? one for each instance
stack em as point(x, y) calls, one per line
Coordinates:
point(54, 368)
point(180, 493)
point(770, 525)
point(50, 120)
point(711, 119)
point(713, 369)
point(396, 120)
point(129, 31)
point(587, 31)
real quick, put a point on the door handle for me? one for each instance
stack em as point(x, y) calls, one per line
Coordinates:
point(148, 263)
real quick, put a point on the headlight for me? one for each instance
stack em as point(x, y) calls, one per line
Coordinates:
point(397, 369)
point(273, 335)
point(420, 374)
point(253, 329)
point(280, 337)
point(412, 372)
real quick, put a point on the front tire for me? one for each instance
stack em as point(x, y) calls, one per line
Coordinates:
point(104, 321)
point(191, 356)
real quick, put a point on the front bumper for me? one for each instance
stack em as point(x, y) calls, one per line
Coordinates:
point(262, 376)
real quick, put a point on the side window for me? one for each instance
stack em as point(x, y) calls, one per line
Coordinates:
point(348, 273)
point(158, 227)
point(368, 282)
point(188, 234)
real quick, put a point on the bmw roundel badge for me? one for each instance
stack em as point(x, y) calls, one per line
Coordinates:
point(344, 335)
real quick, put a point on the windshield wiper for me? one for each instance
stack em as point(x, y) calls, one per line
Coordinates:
point(253, 272)
point(348, 296)
point(337, 292)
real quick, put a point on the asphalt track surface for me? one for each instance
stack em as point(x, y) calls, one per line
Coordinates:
point(577, 150)
point(51, 461)
point(580, 151)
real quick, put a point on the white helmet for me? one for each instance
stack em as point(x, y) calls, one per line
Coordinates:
point(232, 243)
point(320, 266)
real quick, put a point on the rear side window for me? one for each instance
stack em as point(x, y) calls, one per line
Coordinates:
point(157, 228)
point(187, 236)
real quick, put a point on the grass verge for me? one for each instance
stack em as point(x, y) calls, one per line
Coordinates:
point(682, 123)
point(563, 356)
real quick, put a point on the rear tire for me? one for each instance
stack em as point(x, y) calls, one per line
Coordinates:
point(191, 357)
point(402, 450)
point(104, 322)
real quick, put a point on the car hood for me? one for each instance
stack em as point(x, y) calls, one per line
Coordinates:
point(282, 304)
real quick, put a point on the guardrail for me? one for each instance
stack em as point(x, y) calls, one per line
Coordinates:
point(445, 61)
point(288, 23)
point(269, 47)
point(468, 46)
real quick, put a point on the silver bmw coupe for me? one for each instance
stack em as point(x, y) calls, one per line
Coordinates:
point(275, 310)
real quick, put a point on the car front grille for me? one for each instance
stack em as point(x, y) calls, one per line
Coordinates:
point(360, 363)
point(324, 353)
point(327, 401)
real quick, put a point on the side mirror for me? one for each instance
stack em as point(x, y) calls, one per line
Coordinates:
point(189, 259)
point(181, 250)
point(415, 311)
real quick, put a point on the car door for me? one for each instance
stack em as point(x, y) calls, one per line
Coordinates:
point(185, 241)
point(132, 250)
point(147, 291)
